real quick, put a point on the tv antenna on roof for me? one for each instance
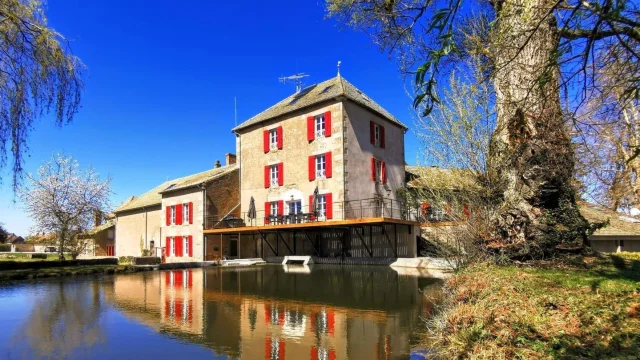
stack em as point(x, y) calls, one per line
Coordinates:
point(296, 79)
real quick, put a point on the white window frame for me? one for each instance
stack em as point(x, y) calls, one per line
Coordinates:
point(320, 125)
point(273, 175)
point(322, 205)
point(185, 214)
point(185, 247)
point(172, 213)
point(273, 208)
point(378, 170)
point(273, 139)
point(297, 210)
point(376, 134)
point(321, 166)
point(173, 246)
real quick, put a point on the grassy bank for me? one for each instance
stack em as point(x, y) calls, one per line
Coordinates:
point(26, 274)
point(589, 309)
point(27, 257)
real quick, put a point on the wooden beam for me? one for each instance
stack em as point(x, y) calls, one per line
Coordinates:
point(311, 242)
point(386, 235)
point(364, 242)
point(264, 239)
point(285, 243)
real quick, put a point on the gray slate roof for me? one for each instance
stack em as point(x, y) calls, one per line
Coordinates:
point(154, 196)
point(318, 93)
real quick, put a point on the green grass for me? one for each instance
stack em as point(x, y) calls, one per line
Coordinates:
point(587, 309)
point(27, 274)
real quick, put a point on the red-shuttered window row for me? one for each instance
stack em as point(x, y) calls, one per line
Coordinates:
point(179, 214)
point(179, 246)
point(376, 133)
point(378, 171)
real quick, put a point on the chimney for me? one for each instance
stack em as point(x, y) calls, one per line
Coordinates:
point(231, 158)
point(217, 164)
point(97, 218)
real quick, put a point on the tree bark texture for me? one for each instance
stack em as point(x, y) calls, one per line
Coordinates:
point(530, 154)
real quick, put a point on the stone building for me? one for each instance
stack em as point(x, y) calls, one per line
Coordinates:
point(329, 137)
point(168, 220)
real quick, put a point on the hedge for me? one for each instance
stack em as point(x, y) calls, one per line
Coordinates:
point(19, 265)
point(5, 247)
point(146, 260)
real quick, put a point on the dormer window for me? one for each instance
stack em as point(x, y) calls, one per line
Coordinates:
point(320, 125)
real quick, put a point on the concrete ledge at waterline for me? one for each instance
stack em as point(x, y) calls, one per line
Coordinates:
point(422, 262)
point(243, 262)
point(306, 260)
point(186, 265)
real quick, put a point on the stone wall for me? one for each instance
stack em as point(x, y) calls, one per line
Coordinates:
point(190, 195)
point(135, 229)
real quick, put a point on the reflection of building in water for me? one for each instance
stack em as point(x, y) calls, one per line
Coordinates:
point(265, 313)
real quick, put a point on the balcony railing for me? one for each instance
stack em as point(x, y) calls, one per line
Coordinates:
point(346, 210)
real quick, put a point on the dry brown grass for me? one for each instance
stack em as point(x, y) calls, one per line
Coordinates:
point(585, 310)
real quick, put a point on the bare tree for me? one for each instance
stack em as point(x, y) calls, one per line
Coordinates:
point(62, 200)
point(531, 50)
point(38, 74)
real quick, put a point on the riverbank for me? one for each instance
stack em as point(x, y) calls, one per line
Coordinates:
point(27, 274)
point(587, 309)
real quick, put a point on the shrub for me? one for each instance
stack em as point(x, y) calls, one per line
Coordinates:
point(5, 247)
point(19, 265)
point(39, 256)
point(124, 260)
point(146, 260)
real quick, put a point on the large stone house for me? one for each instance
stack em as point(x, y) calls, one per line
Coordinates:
point(333, 138)
point(168, 220)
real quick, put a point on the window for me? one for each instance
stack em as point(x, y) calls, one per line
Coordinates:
point(273, 139)
point(621, 243)
point(186, 245)
point(320, 125)
point(295, 207)
point(274, 175)
point(152, 244)
point(376, 135)
point(274, 208)
point(185, 213)
point(173, 214)
point(322, 205)
point(321, 166)
point(172, 241)
point(378, 171)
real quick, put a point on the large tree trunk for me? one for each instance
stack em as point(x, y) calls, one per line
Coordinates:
point(531, 154)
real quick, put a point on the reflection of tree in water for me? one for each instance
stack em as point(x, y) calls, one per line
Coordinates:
point(65, 318)
point(253, 317)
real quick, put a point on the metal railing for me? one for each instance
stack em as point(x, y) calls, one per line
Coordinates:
point(345, 210)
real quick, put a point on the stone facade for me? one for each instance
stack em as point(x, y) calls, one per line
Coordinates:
point(194, 196)
point(136, 229)
point(351, 151)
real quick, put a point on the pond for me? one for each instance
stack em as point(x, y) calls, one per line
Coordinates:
point(259, 312)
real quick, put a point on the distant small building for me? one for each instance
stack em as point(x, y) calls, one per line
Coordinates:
point(101, 240)
point(622, 233)
point(15, 239)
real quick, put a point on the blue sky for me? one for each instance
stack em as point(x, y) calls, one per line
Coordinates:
point(162, 77)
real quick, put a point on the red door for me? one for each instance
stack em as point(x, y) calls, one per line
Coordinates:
point(110, 250)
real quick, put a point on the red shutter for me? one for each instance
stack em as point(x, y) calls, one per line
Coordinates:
point(311, 131)
point(372, 134)
point(179, 214)
point(280, 207)
point(168, 215)
point(280, 174)
point(190, 254)
point(312, 168)
point(189, 278)
point(328, 165)
point(178, 240)
point(266, 177)
point(328, 198)
point(467, 213)
point(279, 135)
point(425, 208)
point(167, 249)
point(382, 137)
point(383, 170)
point(373, 169)
point(267, 211)
point(190, 213)
point(265, 136)
point(327, 123)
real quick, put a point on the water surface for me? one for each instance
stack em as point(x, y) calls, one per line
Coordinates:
point(266, 312)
